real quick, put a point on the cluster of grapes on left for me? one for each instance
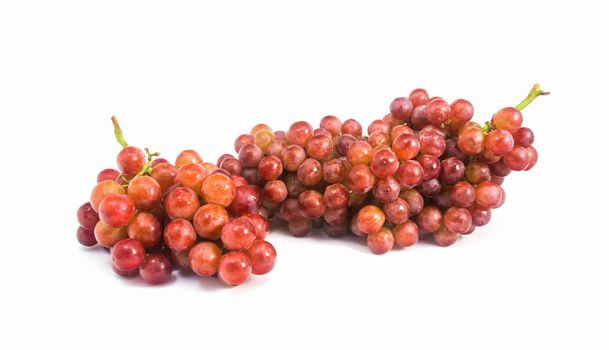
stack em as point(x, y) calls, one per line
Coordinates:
point(154, 216)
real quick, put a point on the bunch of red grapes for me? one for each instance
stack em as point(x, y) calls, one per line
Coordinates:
point(154, 215)
point(424, 171)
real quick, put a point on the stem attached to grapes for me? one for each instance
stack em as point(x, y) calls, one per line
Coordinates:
point(147, 167)
point(488, 127)
point(118, 133)
point(535, 91)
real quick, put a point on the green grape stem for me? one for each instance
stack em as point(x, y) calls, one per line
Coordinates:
point(118, 133)
point(535, 91)
point(147, 167)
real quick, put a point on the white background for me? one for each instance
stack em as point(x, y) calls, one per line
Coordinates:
point(193, 75)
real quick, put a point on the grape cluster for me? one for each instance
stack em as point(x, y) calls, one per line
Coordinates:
point(153, 215)
point(425, 171)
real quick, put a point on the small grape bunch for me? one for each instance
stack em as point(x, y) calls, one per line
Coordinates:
point(154, 216)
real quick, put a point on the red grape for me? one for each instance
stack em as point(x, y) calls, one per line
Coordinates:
point(87, 217)
point(431, 166)
point(262, 256)
point(263, 139)
point(156, 269)
point(386, 190)
point(260, 224)
point(311, 204)
point(438, 111)
point(241, 141)
point(234, 268)
point(179, 235)
point(508, 118)
point(336, 196)
point(320, 147)
point(130, 161)
point(116, 210)
point(452, 170)
point(477, 172)
point(429, 219)
point(488, 195)
point(523, 137)
point(336, 217)
point(379, 139)
point(145, 192)
point(260, 127)
point(334, 170)
point(300, 133)
point(331, 123)
point(209, 220)
point(406, 234)
point(204, 259)
point(310, 172)
point(396, 212)
point(250, 155)
point(384, 163)
point(401, 108)
point(406, 146)
point(191, 176)
point(292, 156)
point(343, 143)
point(103, 189)
point(457, 220)
point(188, 157)
point(218, 189)
point(415, 201)
point(471, 139)
point(462, 194)
point(238, 234)
point(352, 127)
point(107, 236)
point(86, 237)
point(518, 159)
point(145, 228)
point(381, 241)
point(164, 174)
point(410, 174)
point(270, 168)
point(418, 97)
point(181, 203)
point(275, 191)
point(360, 152)
point(430, 188)
point(444, 237)
point(247, 200)
point(432, 143)
point(361, 179)
point(401, 129)
point(276, 147)
point(300, 227)
point(128, 254)
point(419, 117)
point(480, 216)
point(461, 111)
point(108, 174)
point(370, 219)
point(499, 142)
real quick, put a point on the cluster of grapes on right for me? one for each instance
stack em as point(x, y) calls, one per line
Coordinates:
point(424, 171)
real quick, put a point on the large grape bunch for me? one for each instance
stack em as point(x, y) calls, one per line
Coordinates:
point(425, 171)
